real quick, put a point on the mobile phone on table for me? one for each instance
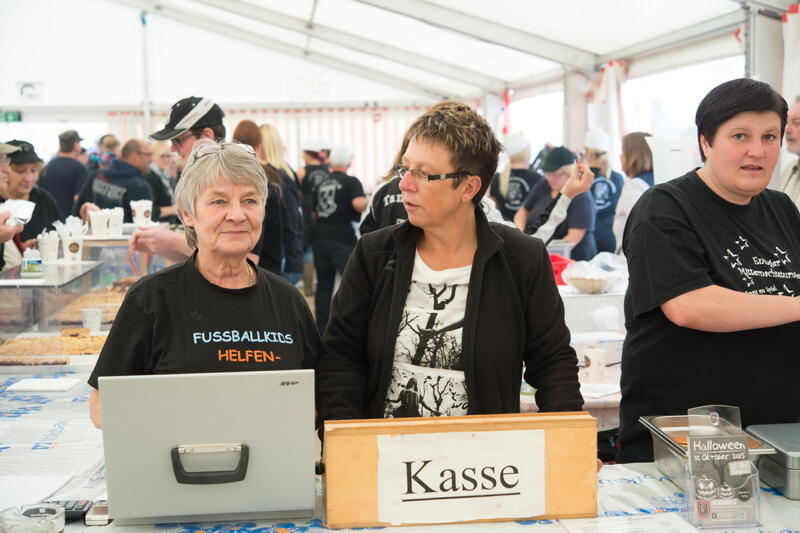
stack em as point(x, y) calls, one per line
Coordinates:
point(97, 515)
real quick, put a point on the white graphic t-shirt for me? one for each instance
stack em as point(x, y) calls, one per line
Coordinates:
point(428, 374)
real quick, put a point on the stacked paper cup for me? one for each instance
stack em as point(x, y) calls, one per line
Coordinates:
point(100, 222)
point(141, 211)
point(48, 246)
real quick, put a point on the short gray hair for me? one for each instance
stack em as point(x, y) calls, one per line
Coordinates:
point(209, 163)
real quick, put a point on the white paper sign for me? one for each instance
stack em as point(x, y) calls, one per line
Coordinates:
point(450, 477)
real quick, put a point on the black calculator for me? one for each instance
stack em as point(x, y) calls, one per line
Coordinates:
point(73, 509)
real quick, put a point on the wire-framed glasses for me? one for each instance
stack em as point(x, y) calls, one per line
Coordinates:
point(422, 176)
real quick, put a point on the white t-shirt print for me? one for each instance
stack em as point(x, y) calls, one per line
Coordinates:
point(428, 373)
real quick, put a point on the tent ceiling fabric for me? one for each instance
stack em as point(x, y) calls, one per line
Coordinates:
point(305, 52)
point(449, 48)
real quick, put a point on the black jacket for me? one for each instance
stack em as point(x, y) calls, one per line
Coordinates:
point(514, 316)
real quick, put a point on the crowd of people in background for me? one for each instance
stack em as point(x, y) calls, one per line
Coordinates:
point(314, 215)
point(711, 275)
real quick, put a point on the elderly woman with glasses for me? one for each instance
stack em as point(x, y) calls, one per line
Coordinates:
point(440, 315)
point(217, 311)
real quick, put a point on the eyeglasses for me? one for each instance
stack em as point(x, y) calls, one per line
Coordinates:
point(178, 141)
point(422, 176)
point(557, 175)
point(216, 148)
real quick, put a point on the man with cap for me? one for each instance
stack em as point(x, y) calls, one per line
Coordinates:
point(790, 182)
point(6, 232)
point(64, 176)
point(578, 227)
point(190, 119)
point(338, 201)
point(25, 166)
point(315, 157)
point(120, 184)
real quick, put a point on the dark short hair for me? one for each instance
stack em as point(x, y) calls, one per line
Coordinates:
point(734, 97)
point(472, 144)
point(218, 129)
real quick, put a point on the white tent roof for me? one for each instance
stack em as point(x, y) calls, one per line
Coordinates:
point(89, 53)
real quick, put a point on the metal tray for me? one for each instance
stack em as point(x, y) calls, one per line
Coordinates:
point(670, 434)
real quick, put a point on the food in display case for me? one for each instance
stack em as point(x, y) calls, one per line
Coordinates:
point(72, 341)
point(108, 299)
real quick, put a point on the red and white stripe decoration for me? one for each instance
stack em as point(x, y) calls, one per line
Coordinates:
point(375, 133)
point(791, 44)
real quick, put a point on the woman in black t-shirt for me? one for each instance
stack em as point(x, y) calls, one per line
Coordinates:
point(216, 312)
point(714, 261)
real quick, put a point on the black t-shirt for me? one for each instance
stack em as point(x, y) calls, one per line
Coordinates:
point(175, 321)
point(520, 183)
point(314, 174)
point(44, 214)
point(292, 222)
point(162, 197)
point(63, 178)
point(681, 236)
point(580, 215)
point(270, 246)
point(385, 207)
point(334, 207)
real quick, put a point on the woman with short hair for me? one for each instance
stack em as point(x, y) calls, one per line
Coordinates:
point(217, 311)
point(444, 313)
point(714, 262)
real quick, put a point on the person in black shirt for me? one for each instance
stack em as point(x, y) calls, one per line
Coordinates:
point(64, 175)
point(511, 186)
point(316, 169)
point(25, 166)
point(339, 200)
point(714, 258)
point(217, 311)
point(272, 152)
point(7, 232)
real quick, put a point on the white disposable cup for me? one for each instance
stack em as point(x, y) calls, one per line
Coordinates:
point(48, 247)
point(99, 221)
point(92, 317)
point(115, 221)
point(73, 249)
point(596, 360)
point(141, 211)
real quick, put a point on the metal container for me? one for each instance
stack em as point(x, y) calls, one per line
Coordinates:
point(782, 470)
point(670, 437)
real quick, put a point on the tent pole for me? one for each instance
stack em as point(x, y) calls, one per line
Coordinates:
point(145, 78)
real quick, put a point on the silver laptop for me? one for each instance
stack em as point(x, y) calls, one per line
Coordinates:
point(202, 447)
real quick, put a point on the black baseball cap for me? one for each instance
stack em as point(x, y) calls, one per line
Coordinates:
point(557, 158)
point(25, 154)
point(191, 112)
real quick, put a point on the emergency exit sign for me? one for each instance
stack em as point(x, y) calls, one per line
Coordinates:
point(10, 116)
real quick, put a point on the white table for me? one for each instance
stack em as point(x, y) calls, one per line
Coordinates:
point(49, 434)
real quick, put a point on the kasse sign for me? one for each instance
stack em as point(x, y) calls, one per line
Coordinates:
point(453, 477)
